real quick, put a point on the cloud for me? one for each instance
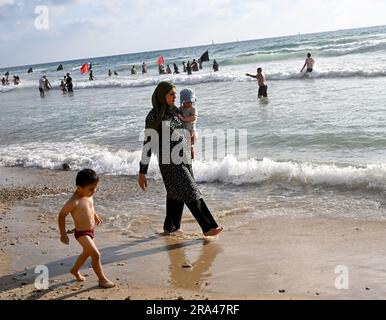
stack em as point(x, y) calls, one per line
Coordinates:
point(100, 27)
point(6, 2)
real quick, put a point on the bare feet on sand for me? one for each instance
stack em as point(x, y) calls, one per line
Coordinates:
point(213, 232)
point(106, 284)
point(177, 232)
point(170, 233)
point(77, 275)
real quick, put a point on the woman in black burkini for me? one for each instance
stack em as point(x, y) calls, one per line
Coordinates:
point(69, 83)
point(177, 175)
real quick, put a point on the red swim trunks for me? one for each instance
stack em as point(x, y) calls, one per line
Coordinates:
point(79, 233)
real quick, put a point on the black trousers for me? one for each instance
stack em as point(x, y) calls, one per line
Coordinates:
point(199, 210)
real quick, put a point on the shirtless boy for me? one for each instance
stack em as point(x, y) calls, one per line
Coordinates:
point(82, 210)
point(309, 63)
point(262, 82)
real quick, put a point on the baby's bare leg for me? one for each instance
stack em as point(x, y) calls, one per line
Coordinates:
point(90, 248)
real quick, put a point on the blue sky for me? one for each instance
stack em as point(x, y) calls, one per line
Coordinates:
point(89, 28)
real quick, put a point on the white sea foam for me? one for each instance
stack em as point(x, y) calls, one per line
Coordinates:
point(4, 89)
point(328, 74)
point(133, 82)
point(229, 170)
point(78, 155)
point(139, 81)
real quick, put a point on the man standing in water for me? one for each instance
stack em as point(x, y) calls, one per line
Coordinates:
point(42, 85)
point(263, 87)
point(144, 68)
point(309, 63)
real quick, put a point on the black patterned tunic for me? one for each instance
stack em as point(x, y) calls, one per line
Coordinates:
point(178, 177)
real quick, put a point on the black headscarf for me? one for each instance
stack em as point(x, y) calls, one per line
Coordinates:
point(158, 101)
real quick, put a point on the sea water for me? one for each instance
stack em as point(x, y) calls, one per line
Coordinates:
point(316, 147)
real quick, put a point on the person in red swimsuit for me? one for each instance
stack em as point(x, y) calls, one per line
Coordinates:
point(82, 210)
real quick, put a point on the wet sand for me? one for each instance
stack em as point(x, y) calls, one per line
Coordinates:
point(271, 258)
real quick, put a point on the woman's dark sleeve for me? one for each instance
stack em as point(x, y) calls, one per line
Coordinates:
point(146, 149)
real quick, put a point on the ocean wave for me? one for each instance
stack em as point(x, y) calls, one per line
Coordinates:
point(329, 74)
point(260, 56)
point(76, 154)
point(229, 170)
point(365, 47)
point(291, 51)
point(5, 89)
point(76, 68)
point(254, 171)
point(139, 81)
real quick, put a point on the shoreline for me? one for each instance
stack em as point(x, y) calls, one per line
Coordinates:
point(278, 257)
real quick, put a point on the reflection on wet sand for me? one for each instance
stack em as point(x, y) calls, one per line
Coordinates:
point(186, 273)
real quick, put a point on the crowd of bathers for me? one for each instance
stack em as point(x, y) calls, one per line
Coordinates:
point(5, 80)
point(67, 87)
point(65, 84)
point(188, 68)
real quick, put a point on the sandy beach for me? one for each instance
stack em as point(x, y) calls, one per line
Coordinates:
point(272, 258)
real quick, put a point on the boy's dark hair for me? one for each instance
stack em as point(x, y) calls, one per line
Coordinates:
point(86, 177)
